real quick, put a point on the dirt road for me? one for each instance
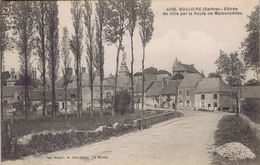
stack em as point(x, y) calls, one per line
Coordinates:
point(181, 141)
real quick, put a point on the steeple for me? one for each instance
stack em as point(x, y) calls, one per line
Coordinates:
point(123, 68)
point(176, 62)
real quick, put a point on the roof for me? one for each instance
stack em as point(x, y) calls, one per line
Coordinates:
point(250, 92)
point(209, 85)
point(85, 81)
point(171, 88)
point(138, 86)
point(178, 66)
point(155, 89)
point(161, 76)
point(37, 94)
point(9, 91)
point(190, 80)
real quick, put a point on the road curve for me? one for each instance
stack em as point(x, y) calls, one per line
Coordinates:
point(182, 141)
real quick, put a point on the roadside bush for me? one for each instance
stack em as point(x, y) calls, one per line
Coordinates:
point(123, 100)
point(49, 141)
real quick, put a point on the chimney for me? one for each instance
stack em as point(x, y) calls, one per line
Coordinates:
point(164, 82)
point(83, 70)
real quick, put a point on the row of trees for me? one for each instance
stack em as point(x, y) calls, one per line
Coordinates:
point(35, 28)
point(233, 66)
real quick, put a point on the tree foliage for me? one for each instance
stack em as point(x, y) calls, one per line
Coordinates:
point(231, 68)
point(251, 43)
point(214, 74)
point(145, 21)
point(252, 82)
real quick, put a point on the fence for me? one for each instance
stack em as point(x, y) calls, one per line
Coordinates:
point(250, 107)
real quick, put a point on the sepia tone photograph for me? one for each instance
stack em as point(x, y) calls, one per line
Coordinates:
point(130, 82)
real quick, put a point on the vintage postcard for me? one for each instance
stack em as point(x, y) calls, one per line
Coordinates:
point(133, 82)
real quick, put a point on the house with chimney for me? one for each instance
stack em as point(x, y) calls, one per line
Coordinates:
point(186, 90)
point(169, 93)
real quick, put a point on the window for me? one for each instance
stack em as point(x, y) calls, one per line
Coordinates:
point(187, 93)
point(202, 104)
point(18, 98)
point(209, 105)
point(180, 101)
point(188, 103)
point(215, 104)
point(215, 96)
point(63, 105)
point(108, 94)
point(73, 96)
point(202, 97)
point(180, 92)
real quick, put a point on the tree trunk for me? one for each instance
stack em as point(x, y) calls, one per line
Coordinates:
point(43, 62)
point(101, 97)
point(79, 86)
point(66, 105)
point(1, 85)
point(26, 78)
point(131, 74)
point(53, 87)
point(116, 74)
point(91, 98)
point(142, 111)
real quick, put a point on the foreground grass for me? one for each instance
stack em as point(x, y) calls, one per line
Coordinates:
point(23, 127)
point(232, 129)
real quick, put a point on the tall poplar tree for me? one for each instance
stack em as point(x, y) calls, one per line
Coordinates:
point(53, 49)
point(76, 48)
point(66, 61)
point(41, 30)
point(116, 24)
point(23, 31)
point(89, 25)
point(99, 57)
point(131, 13)
point(145, 23)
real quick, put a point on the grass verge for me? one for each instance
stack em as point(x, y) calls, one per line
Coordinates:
point(232, 129)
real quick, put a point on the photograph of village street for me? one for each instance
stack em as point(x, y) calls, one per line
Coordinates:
point(130, 82)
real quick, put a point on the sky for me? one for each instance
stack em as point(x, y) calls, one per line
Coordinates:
point(192, 39)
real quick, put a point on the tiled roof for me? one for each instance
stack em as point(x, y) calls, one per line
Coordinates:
point(160, 77)
point(171, 88)
point(138, 86)
point(190, 80)
point(250, 92)
point(37, 94)
point(155, 89)
point(209, 85)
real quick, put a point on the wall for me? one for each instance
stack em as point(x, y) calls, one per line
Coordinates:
point(207, 101)
point(223, 100)
point(86, 95)
point(168, 104)
point(151, 102)
point(184, 98)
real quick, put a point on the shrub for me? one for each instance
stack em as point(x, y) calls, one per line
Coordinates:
point(123, 100)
